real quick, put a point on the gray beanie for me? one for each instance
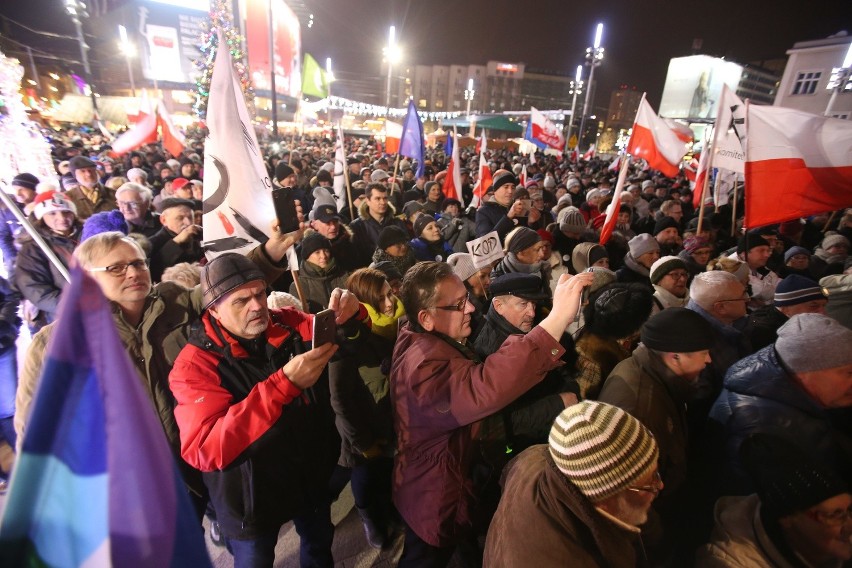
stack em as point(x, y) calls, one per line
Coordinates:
point(226, 273)
point(813, 342)
point(572, 221)
point(462, 264)
point(642, 244)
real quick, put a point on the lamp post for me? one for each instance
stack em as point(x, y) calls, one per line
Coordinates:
point(576, 87)
point(468, 96)
point(840, 81)
point(77, 10)
point(392, 56)
point(129, 52)
point(594, 57)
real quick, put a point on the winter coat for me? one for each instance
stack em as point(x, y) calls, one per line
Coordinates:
point(839, 288)
point(457, 231)
point(424, 250)
point(105, 201)
point(165, 252)
point(365, 231)
point(598, 356)
point(763, 324)
point(544, 521)
point(632, 271)
point(759, 395)
point(439, 394)
point(10, 301)
point(150, 225)
point(318, 283)
point(492, 216)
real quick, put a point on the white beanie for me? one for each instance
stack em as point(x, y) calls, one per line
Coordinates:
point(51, 201)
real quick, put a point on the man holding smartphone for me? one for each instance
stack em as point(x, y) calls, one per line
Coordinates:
point(254, 414)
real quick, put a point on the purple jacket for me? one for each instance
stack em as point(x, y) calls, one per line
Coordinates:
point(438, 396)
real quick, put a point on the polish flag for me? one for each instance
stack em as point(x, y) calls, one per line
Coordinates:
point(173, 139)
point(452, 183)
point(654, 141)
point(143, 132)
point(485, 179)
point(614, 205)
point(616, 163)
point(522, 179)
point(700, 175)
point(392, 136)
point(544, 131)
point(797, 164)
point(590, 153)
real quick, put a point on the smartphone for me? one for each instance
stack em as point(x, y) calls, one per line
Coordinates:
point(584, 296)
point(527, 205)
point(325, 329)
point(285, 209)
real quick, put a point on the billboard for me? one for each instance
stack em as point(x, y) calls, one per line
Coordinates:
point(694, 86)
point(166, 34)
point(287, 46)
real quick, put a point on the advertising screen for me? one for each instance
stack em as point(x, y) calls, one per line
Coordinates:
point(694, 85)
point(287, 46)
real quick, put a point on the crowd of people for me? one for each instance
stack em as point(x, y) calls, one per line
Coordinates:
point(678, 396)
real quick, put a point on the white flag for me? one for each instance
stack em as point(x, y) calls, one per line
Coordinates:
point(730, 122)
point(238, 209)
point(339, 171)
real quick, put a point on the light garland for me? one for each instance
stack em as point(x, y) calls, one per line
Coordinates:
point(221, 19)
point(365, 109)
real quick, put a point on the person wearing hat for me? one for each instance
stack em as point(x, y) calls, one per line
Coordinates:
point(440, 391)
point(319, 273)
point(696, 254)
point(394, 246)
point(654, 384)
point(179, 239)
point(456, 228)
point(527, 420)
point(586, 255)
point(428, 243)
point(790, 389)
point(434, 197)
point(799, 516)
point(669, 277)
point(35, 277)
point(643, 252)
point(525, 250)
point(502, 213)
point(797, 260)
point(755, 251)
point(182, 188)
point(375, 214)
point(667, 233)
point(580, 498)
point(794, 295)
point(252, 411)
point(289, 176)
point(23, 187)
point(830, 255)
point(90, 196)
point(325, 220)
point(477, 282)
point(572, 225)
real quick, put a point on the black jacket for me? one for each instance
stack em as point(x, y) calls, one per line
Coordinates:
point(491, 216)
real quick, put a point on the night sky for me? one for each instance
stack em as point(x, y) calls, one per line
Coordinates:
point(639, 36)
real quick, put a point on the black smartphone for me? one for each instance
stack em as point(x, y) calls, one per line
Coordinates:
point(325, 329)
point(285, 209)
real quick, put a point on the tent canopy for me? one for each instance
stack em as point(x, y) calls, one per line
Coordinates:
point(489, 121)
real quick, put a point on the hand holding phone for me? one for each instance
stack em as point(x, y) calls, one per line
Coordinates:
point(285, 209)
point(325, 330)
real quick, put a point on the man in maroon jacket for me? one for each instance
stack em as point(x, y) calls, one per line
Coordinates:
point(440, 390)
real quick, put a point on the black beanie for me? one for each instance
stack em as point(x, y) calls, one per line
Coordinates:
point(421, 222)
point(677, 330)
point(26, 180)
point(521, 238)
point(502, 179)
point(312, 243)
point(392, 235)
point(282, 171)
point(664, 223)
point(618, 310)
point(749, 241)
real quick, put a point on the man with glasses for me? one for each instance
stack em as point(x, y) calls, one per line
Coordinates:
point(134, 202)
point(580, 499)
point(441, 391)
point(669, 276)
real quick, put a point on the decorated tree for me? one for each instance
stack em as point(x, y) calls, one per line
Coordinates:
point(221, 18)
point(24, 149)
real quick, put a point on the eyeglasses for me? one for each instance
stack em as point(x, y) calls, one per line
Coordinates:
point(120, 269)
point(745, 298)
point(833, 519)
point(130, 204)
point(457, 307)
point(653, 489)
point(678, 275)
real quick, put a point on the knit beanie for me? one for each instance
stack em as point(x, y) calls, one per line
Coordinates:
point(602, 277)
point(392, 235)
point(103, 222)
point(388, 268)
point(665, 265)
point(312, 243)
point(420, 224)
point(750, 241)
point(664, 223)
point(811, 342)
point(26, 180)
point(601, 449)
point(283, 171)
point(833, 240)
point(137, 173)
point(411, 207)
point(642, 244)
point(224, 274)
point(788, 480)
point(51, 201)
point(462, 265)
point(677, 330)
point(793, 251)
point(796, 289)
point(586, 254)
point(502, 179)
point(521, 239)
point(618, 310)
point(692, 244)
point(571, 220)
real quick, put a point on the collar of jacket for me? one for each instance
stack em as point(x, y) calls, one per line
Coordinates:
point(275, 335)
point(462, 348)
point(730, 333)
point(680, 389)
point(501, 323)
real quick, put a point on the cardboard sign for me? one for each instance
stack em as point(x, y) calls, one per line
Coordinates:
point(485, 250)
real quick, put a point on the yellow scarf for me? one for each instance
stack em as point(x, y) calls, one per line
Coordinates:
point(383, 324)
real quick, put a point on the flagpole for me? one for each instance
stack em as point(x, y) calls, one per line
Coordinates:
point(707, 172)
point(299, 292)
point(734, 212)
point(352, 212)
point(48, 252)
point(716, 192)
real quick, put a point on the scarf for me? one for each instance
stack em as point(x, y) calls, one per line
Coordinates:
point(401, 263)
point(384, 325)
point(512, 264)
point(669, 300)
point(631, 263)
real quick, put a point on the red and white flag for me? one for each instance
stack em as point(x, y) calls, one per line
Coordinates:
point(173, 139)
point(655, 142)
point(590, 153)
point(614, 206)
point(522, 179)
point(797, 164)
point(544, 131)
point(485, 179)
point(452, 182)
point(393, 134)
point(143, 132)
point(616, 163)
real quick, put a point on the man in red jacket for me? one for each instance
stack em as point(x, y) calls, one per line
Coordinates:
point(440, 390)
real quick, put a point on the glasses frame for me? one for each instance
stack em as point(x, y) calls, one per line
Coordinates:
point(653, 489)
point(835, 519)
point(123, 266)
point(456, 307)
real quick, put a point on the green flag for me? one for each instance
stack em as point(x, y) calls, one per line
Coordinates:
point(314, 82)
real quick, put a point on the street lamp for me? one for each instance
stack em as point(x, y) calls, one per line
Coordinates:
point(392, 55)
point(594, 57)
point(576, 87)
point(840, 81)
point(77, 10)
point(129, 51)
point(468, 96)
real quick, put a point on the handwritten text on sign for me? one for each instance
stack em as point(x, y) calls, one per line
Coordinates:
point(485, 250)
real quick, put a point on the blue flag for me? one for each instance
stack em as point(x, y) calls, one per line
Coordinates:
point(412, 142)
point(449, 145)
point(95, 483)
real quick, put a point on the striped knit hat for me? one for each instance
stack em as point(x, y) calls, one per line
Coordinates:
point(796, 289)
point(601, 448)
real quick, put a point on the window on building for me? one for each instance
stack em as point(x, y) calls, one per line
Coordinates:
point(806, 82)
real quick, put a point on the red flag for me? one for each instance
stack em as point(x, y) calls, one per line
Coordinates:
point(614, 205)
point(173, 140)
point(797, 164)
point(522, 179)
point(590, 153)
point(144, 132)
point(393, 133)
point(485, 179)
point(452, 183)
point(654, 141)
